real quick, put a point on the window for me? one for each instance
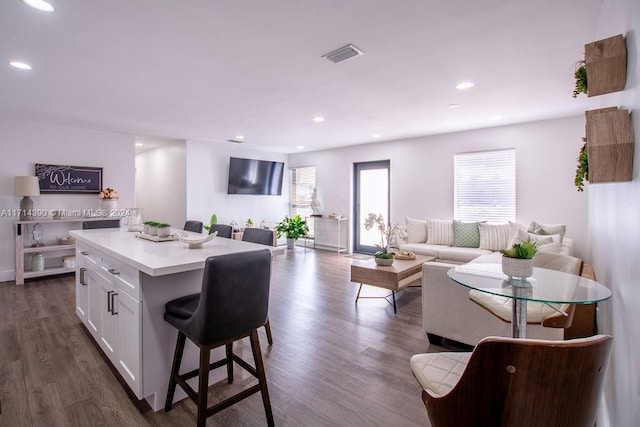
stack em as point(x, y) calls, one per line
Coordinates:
point(303, 180)
point(485, 186)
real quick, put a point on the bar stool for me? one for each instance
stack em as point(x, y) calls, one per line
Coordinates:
point(232, 305)
point(195, 226)
point(223, 230)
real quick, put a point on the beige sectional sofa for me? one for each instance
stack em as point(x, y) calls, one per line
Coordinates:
point(447, 310)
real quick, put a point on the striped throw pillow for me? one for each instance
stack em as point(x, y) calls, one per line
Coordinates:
point(494, 237)
point(439, 232)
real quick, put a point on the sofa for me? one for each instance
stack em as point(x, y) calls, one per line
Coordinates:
point(447, 310)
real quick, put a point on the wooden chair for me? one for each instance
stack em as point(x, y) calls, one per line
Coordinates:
point(515, 382)
point(195, 226)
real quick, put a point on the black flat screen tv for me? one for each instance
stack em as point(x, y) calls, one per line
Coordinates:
point(257, 177)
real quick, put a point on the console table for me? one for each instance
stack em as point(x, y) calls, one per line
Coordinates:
point(328, 231)
point(22, 250)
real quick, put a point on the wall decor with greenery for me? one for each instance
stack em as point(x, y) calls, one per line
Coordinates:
point(582, 169)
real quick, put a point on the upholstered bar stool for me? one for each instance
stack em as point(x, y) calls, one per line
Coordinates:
point(232, 305)
point(195, 226)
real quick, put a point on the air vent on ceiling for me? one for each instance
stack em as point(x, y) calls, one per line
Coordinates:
point(235, 141)
point(344, 53)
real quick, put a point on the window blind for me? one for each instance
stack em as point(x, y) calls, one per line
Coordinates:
point(485, 186)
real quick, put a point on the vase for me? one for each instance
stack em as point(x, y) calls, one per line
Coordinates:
point(110, 206)
point(153, 230)
point(163, 231)
point(384, 261)
point(291, 244)
point(517, 268)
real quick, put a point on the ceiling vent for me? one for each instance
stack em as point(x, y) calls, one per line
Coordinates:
point(344, 53)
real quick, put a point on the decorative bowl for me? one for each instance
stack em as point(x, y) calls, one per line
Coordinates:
point(193, 241)
point(384, 261)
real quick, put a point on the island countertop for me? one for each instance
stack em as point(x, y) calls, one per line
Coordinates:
point(158, 258)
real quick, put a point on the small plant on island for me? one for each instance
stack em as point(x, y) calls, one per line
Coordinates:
point(582, 170)
point(524, 250)
point(162, 224)
point(249, 223)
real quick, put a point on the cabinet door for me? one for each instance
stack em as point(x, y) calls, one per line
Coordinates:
point(130, 345)
point(109, 319)
point(82, 290)
point(96, 304)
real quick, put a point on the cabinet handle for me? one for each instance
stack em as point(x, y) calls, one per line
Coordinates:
point(84, 253)
point(109, 301)
point(113, 271)
point(83, 278)
point(113, 304)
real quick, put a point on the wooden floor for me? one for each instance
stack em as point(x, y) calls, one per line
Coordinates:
point(332, 363)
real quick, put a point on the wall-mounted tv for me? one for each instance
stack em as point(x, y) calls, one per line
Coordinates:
point(248, 176)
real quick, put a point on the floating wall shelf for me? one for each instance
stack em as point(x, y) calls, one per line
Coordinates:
point(606, 62)
point(609, 145)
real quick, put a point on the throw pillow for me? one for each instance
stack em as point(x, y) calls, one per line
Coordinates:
point(494, 237)
point(522, 236)
point(546, 229)
point(466, 234)
point(440, 232)
point(416, 230)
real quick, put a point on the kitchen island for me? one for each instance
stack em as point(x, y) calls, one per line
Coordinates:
point(122, 285)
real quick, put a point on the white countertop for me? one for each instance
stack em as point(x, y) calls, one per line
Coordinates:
point(158, 258)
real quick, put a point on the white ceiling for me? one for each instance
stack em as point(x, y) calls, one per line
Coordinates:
point(210, 70)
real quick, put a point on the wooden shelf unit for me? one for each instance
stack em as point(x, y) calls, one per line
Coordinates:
point(19, 231)
point(606, 62)
point(610, 145)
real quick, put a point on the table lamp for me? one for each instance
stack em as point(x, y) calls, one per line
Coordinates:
point(26, 186)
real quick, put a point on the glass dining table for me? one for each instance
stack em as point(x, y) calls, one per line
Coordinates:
point(545, 286)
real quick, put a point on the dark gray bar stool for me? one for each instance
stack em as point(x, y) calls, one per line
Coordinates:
point(232, 305)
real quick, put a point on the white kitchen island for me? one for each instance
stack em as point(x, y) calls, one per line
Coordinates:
point(122, 285)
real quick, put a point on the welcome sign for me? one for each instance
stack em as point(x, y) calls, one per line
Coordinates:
point(69, 179)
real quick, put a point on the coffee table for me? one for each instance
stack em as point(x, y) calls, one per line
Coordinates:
point(395, 277)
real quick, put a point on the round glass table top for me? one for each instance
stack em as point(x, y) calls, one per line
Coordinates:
point(545, 285)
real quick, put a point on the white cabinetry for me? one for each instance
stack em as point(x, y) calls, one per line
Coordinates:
point(110, 299)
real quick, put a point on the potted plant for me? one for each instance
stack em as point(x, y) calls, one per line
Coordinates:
point(212, 221)
point(151, 228)
point(292, 229)
point(582, 170)
point(384, 256)
point(249, 223)
point(163, 229)
point(581, 79)
point(517, 261)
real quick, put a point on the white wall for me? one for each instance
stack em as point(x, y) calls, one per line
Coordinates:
point(207, 173)
point(23, 144)
point(614, 226)
point(422, 173)
point(161, 183)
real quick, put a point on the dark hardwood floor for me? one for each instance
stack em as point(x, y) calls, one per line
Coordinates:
point(332, 362)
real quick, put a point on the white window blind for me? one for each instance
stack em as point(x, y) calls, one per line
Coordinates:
point(303, 180)
point(485, 186)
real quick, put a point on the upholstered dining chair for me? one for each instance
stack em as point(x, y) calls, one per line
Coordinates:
point(233, 304)
point(195, 226)
point(267, 237)
point(515, 382)
point(223, 230)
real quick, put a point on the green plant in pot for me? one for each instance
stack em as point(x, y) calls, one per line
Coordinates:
point(212, 221)
point(384, 256)
point(582, 169)
point(293, 229)
point(517, 261)
point(580, 75)
point(163, 229)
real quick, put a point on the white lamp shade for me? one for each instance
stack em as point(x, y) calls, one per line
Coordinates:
point(27, 186)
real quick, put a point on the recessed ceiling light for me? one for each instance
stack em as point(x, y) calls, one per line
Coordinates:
point(375, 135)
point(139, 144)
point(496, 117)
point(20, 65)
point(40, 5)
point(318, 119)
point(464, 85)
point(240, 137)
point(452, 106)
point(300, 147)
